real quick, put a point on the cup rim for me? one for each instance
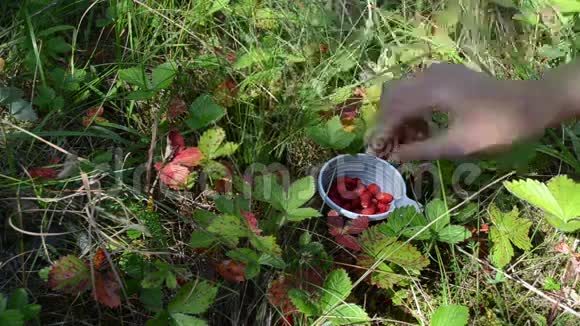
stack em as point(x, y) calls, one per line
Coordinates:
point(347, 213)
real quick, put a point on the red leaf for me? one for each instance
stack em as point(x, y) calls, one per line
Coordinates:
point(278, 294)
point(563, 247)
point(70, 275)
point(348, 241)
point(231, 56)
point(93, 114)
point(176, 140)
point(43, 173)
point(190, 157)
point(177, 107)
point(106, 289)
point(484, 228)
point(251, 218)
point(334, 222)
point(232, 271)
point(173, 175)
point(100, 261)
point(357, 226)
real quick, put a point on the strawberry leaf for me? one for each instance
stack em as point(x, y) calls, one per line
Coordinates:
point(358, 225)
point(187, 320)
point(557, 199)
point(303, 302)
point(389, 253)
point(211, 146)
point(194, 297)
point(300, 214)
point(163, 76)
point(348, 314)
point(232, 271)
point(106, 289)
point(405, 221)
point(229, 228)
point(453, 234)
point(508, 228)
point(249, 257)
point(70, 275)
point(336, 289)
point(201, 239)
point(204, 111)
point(450, 315)
point(173, 175)
point(331, 134)
point(436, 210)
point(134, 76)
point(347, 241)
point(266, 244)
point(189, 157)
point(300, 192)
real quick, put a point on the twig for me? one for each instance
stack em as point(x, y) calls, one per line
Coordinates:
point(151, 153)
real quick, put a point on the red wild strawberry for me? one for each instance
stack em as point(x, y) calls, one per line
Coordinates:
point(374, 188)
point(365, 203)
point(384, 197)
point(355, 203)
point(360, 189)
point(368, 211)
point(347, 206)
point(383, 208)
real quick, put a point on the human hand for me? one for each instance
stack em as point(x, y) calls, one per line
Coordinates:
point(485, 114)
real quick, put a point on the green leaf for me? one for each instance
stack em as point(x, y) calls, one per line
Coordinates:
point(163, 75)
point(154, 279)
point(140, 95)
point(30, 311)
point(245, 255)
point(204, 111)
point(226, 149)
point(57, 45)
point(508, 228)
point(405, 221)
point(272, 261)
point(551, 284)
point(252, 57)
point(134, 76)
point(300, 214)
point(44, 97)
point(467, 213)
point(303, 302)
point(70, 275)
point(22, 110)
point(214, 169)
point(268, 190)
point(162, 318)
point(11, 317)
point(201, 239)
point(386, 249)
point(266, 244)
point(203, 217)
point(557, 199)
point(194, 297)
point(10, 94)
point(300, 192)
point(336, 289)
point(186, 320)
point(152, 299)
point(450, 315)
point(348, 314)
point(331, 134)
point(210, 142)
point(436, 209)
point(453, 234)
point(170, 280)
point(229, 228)
point(18, 299)
point(218, 5)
